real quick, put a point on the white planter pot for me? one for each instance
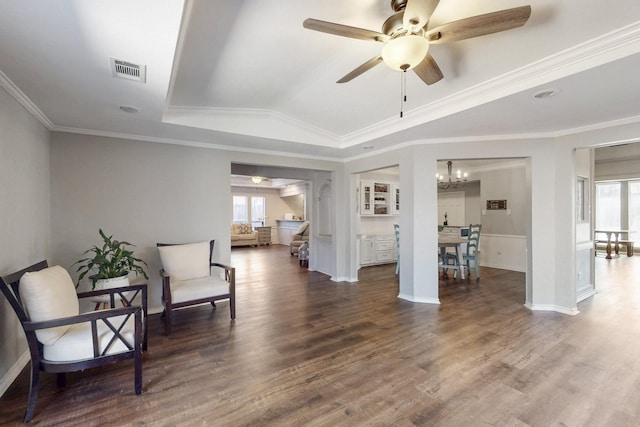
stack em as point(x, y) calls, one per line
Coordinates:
point(115, 282)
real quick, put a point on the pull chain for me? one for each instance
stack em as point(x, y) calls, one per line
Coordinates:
point(403, 91)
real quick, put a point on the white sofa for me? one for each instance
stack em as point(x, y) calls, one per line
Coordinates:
point(243, 235)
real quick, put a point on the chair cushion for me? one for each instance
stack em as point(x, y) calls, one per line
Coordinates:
point(203, 287)
point(303, 227)
point(184, 262)
point(49, 294)
point(251, 236)
point(76, 343)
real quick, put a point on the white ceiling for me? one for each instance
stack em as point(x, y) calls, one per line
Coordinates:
point(247, 75)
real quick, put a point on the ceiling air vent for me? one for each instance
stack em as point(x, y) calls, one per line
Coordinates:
point(128, 70)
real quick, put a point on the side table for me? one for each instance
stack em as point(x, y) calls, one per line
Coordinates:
point(264, 235)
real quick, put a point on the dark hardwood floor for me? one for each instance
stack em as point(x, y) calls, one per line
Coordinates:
point(307, 351)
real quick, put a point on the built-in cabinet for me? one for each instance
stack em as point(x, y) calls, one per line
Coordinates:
point(379, 198)
point(377, 249)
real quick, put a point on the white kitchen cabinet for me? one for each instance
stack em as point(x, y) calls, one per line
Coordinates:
point(366, 198)
point(379, 198)
point(367, 253)
point(395, 207)
point(377, 249)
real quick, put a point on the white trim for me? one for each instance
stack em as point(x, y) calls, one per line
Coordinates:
point(261, 123)
point(591, 292)
point(551, 307)
point(411, 298)
point(584, 246)
point(14, 371)
point(23, 100)
point(342, 279)
point(187, 143)
point(505, 236)
point(609, 47)
point(155, 310)
point(509, 267)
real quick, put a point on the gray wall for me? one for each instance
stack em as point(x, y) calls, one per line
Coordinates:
point(25, 232)
point(507, 183)
point(510, 185)
point(137, 191)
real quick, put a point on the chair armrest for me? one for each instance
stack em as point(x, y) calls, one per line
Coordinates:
point(125, 293)
point(140, 331)
point(226, 267)
point(81, 318)
point(229, 272)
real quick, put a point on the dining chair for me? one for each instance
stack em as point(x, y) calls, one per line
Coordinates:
point(472, 252)
point(396, 229)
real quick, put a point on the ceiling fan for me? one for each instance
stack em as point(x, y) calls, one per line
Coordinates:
point(406, 37)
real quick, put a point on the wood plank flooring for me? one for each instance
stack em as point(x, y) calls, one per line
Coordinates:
point(307, 351)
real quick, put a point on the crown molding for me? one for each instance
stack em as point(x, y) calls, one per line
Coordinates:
point(187, 143)
point(261, 123)
point(609, 47)
point(606, 48)
point(24, 100)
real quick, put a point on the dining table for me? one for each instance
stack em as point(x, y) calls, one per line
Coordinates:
point(613, 236)
point(445, 242)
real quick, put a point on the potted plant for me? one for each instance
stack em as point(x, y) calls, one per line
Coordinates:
point(110, 265)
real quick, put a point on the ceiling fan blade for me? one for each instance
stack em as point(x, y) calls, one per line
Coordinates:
point(343, 30)
point(361, 69)
point(480, 25)
point(428, 70)
point(417, 13)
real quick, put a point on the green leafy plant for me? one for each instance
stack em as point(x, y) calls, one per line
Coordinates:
point(113, 259)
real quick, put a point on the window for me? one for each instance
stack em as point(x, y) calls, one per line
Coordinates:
point(240, 209)
point(618, 207)
point(245, 207)
point(634, 211)
point(582, 199)
point(607, 205)
point(257, 211)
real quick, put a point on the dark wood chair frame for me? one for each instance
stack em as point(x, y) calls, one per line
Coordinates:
point(169, 306)
point(10, 285)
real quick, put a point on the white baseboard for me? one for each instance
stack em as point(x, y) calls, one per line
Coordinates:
point(591, 292)
point(155, 310)
point(14, 371)
point(551, 307)
point(343, 279)
point(411, 298)
point(505, 267)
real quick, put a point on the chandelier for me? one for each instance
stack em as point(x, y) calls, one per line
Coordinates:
point(460, 179)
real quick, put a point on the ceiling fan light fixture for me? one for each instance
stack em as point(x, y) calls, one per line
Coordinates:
point(405, 52)
point(256, 179)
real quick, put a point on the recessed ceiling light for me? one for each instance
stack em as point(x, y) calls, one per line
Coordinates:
point(545, 94)
point(367, 147)
point(128, 109)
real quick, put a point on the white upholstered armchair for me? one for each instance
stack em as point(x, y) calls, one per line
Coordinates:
point(61, 339)
point(188, 278)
